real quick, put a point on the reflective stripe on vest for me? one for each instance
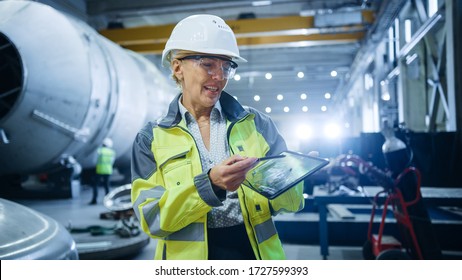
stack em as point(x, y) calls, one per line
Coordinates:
point(151, 210)
point(151, 214)
point(192, 232)
point(265, 231)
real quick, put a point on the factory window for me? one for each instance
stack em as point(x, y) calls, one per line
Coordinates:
point(391, 44)
point(407, 30)
point(432, 7)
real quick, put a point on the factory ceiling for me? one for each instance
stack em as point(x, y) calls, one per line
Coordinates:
point(299, 52)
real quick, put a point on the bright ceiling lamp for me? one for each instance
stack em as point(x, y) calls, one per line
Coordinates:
point(261, 3)
point(300, 74)
point(268, 76)
point(386, 96)
point(332, 131)
point(237, 77)
point(333, 73)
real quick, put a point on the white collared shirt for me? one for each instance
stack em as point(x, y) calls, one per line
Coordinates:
point(230, 213)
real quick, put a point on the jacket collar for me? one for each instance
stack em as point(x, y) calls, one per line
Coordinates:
point(231, 108)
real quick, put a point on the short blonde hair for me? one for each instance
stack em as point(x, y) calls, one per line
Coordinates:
point(178, 54)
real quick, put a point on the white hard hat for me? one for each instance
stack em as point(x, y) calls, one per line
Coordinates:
point(203, 34)
point(107, 142)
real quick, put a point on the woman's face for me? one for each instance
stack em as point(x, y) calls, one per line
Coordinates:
point(201, 88)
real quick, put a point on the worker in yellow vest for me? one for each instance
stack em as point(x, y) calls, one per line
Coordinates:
point(188, 167)
point(104, 166)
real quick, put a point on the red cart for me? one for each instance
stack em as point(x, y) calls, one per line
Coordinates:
point(403, 197)
point(380, 246)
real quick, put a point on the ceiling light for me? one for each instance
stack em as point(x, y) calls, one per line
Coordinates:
point(280, 97)
point(268, 109)
point(386, 96)
point(323, 108)
point(332, 130)
point(327, 95)
point(237, 77)
point(268, 76)
point(305, 108)
point(261, 3)
point(286, 109)
point(300, 74)
point(333, 73)
point(304, 132)
point(303, 96)
point(256, 98)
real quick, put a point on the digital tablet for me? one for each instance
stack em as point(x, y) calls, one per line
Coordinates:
point(275, 175)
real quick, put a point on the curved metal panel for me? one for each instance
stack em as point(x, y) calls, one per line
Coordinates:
point(28, 234)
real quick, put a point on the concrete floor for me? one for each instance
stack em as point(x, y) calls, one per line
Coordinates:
point(77, 213)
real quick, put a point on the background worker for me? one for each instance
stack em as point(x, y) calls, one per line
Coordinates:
point(104, 167)
point(73, 170)
point(188, 167)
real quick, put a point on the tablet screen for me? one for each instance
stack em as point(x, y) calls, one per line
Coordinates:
point(273, 177)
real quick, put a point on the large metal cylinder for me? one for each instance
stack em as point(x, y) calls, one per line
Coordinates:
point(64, 88)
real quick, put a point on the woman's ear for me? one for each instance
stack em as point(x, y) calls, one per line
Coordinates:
point(177, 69)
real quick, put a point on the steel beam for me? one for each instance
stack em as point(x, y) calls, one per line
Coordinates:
point(254, 30)
point(271, 41)
point(452, 16)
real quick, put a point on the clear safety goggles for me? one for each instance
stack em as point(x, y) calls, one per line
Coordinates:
point(215, 65)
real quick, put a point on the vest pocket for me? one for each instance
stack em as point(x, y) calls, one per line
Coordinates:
point(175, 165)
point(178, 173)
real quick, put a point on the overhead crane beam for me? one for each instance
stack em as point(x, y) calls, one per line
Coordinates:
point(287, 30)
point(270, 41)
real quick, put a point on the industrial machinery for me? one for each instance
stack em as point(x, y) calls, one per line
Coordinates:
point(63, 89)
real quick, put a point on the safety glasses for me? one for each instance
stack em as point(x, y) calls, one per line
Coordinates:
point(215, 65)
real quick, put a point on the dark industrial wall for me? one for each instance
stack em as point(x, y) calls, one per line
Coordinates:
point(458, 69)
point(436, 155)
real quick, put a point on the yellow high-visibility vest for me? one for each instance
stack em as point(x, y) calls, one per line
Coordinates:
point(167, 181)
point(106, 157)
